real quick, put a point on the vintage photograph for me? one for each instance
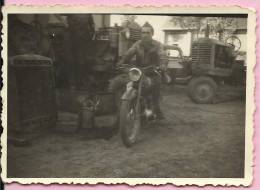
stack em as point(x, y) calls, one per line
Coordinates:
point(127, 95)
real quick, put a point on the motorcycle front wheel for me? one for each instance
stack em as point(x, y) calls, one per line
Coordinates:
point(130, 123)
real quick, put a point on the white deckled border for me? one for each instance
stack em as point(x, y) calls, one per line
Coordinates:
point(250, 105)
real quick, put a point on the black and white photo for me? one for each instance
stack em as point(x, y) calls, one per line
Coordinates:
point(128, 96)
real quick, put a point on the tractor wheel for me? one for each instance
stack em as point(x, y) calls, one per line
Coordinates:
point(202, 90)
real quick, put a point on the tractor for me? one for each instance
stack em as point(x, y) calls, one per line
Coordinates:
point(213, 63)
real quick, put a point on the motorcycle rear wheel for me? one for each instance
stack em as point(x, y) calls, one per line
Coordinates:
point(130, 123)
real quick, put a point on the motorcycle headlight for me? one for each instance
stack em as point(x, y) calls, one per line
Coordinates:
point(135, 74)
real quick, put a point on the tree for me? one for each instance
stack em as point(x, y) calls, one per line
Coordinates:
point(187, 22)
point(209, 25)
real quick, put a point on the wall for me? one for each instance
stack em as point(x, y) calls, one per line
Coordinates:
point(180, 38)
point(101, 21)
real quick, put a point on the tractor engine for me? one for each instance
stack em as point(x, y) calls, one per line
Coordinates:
point(111, 43)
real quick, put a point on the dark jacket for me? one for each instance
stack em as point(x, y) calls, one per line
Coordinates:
point(152, 55)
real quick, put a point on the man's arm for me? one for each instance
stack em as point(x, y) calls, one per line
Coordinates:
point(163, 58)
point(129, 54)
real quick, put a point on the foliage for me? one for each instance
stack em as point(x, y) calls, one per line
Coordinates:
point(215, 24)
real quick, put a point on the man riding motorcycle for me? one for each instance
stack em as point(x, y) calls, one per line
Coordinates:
point(148, 52)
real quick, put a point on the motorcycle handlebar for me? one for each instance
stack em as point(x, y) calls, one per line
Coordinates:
point(128, 66)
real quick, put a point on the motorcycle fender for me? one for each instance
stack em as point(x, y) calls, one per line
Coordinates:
point(130, 93)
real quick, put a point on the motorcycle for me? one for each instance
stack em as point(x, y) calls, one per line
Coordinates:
point(136, 107)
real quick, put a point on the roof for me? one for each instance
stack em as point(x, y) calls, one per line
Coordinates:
point(30, 57)
point(30, 60)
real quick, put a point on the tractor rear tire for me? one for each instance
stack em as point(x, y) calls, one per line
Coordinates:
point(202, 90)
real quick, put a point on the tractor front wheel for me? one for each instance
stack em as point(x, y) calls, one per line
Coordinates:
point(202, 90)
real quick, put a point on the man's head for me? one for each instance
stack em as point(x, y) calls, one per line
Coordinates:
point(147, 32)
